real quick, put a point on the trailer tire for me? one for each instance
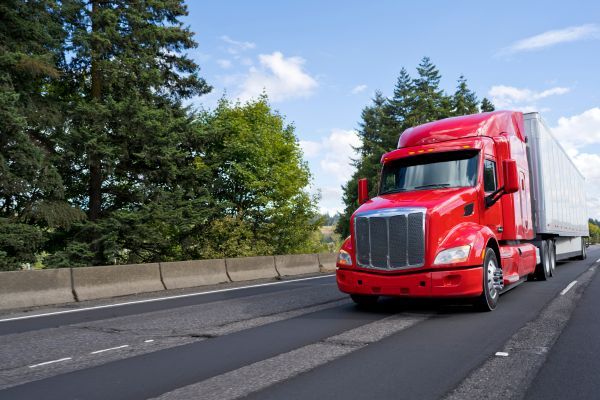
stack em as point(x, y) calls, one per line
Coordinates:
point(583, 255)
point(489, 297)
point(542, 270)
point(364, 300)
point(552, 252)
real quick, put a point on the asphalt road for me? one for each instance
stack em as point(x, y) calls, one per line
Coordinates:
point(303, 339)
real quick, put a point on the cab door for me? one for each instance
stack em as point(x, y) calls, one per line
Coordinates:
point(492, 215)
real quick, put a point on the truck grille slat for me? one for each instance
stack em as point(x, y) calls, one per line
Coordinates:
point(390, 239)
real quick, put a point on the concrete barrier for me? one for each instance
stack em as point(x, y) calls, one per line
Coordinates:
point(116, 280)
point(185, 274)
point(249, 268)
point(297, 264)
point(327, 261)
point(35, 288)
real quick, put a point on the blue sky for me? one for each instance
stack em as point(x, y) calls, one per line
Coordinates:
point(320, 63)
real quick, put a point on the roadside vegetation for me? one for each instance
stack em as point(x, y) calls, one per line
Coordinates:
point(102, 161)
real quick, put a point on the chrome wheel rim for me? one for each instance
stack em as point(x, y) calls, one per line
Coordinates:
point(547, 261)
point(491, 268)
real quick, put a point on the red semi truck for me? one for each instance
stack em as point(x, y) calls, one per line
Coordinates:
point(467, 207)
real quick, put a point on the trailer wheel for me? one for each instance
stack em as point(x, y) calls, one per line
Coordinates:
point(552, 251)
point(542, 270)
point(489, 298)
point(364, 300)
point(583, 255)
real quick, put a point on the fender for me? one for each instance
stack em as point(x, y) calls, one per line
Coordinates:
point(473, 234)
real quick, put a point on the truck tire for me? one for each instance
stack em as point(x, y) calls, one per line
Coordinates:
point(542, 270)
point(489, 298)
point(552, 252)
point(583, 255)
point(364, 300)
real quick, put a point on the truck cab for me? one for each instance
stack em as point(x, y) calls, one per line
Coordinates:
point(453, 216)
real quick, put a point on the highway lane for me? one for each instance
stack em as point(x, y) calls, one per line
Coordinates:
point(257, 339)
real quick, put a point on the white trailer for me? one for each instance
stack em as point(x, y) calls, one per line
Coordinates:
point(558, 191)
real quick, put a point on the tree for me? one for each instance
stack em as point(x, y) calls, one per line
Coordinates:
point(123, 87)
point(430, 102)
point(464, 100)
point(258, 180)
point(31, 189)
point(486, 105)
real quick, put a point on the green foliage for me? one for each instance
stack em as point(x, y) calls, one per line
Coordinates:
point(101, 162)
point(414, 101)
point(594, 231)
point(486, 105)
point(258, 179)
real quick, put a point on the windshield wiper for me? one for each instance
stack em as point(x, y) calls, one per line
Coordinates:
point(433, 185)
point(393, 191)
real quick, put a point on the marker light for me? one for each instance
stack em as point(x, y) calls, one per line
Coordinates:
point(453, 255)
point(344, 258)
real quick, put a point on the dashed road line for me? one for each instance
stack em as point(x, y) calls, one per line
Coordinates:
point(501, 354)
point(598, 260)
point(50, 362)
point(569, 286)
point(149, 341)
point(180, 296)
point(109, 349)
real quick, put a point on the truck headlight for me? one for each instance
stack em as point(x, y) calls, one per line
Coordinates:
point(453, 255)
point(344, 258)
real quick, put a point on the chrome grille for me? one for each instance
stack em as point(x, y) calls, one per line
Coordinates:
point(390, 239)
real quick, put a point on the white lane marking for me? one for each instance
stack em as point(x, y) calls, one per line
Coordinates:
point(569, 286)
point(598, 260)
point(180, 296)
point(50, 362)
point(501, 354)
point(112, 348)
point(149, 341)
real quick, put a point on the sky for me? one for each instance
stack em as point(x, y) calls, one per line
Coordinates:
point(321, 62)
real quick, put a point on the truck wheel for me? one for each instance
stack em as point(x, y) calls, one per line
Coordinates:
point(552, 252)
point(542, 270)
point(364, 300)
point(583, 255)
point(489, 298)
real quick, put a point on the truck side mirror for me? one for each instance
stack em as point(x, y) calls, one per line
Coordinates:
point(511, 176)
point(363, 191)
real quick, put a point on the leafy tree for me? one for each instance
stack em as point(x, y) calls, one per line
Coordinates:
point(257, 179)
point(594, 231)
point(464, 101)
point(486, 105)
point(430, 102)
point(31, 189)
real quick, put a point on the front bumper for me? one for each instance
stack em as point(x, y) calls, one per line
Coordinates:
point(466, 282)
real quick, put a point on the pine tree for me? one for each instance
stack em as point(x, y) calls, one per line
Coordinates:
point(31, 189)
point(430, 102)
point(464, 101)
point(486, 105)
point(124, 83)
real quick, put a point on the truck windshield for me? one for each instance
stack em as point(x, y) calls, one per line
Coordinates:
point(430, 171)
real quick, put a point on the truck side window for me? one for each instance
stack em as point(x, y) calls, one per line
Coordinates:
point(489, 176)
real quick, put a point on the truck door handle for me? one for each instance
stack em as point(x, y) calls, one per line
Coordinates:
point(500, 229)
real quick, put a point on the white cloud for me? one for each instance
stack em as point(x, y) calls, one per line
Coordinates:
point(575, 133)
point(280, 77)
point(553, 37)
point(579, 130)
point(235, 46)
point(225, 64)
point(521, 98)
point(331, 160)
point(359, 88)
point(335, 153)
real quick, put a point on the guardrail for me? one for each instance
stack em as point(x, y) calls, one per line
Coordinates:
point(19, 289)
